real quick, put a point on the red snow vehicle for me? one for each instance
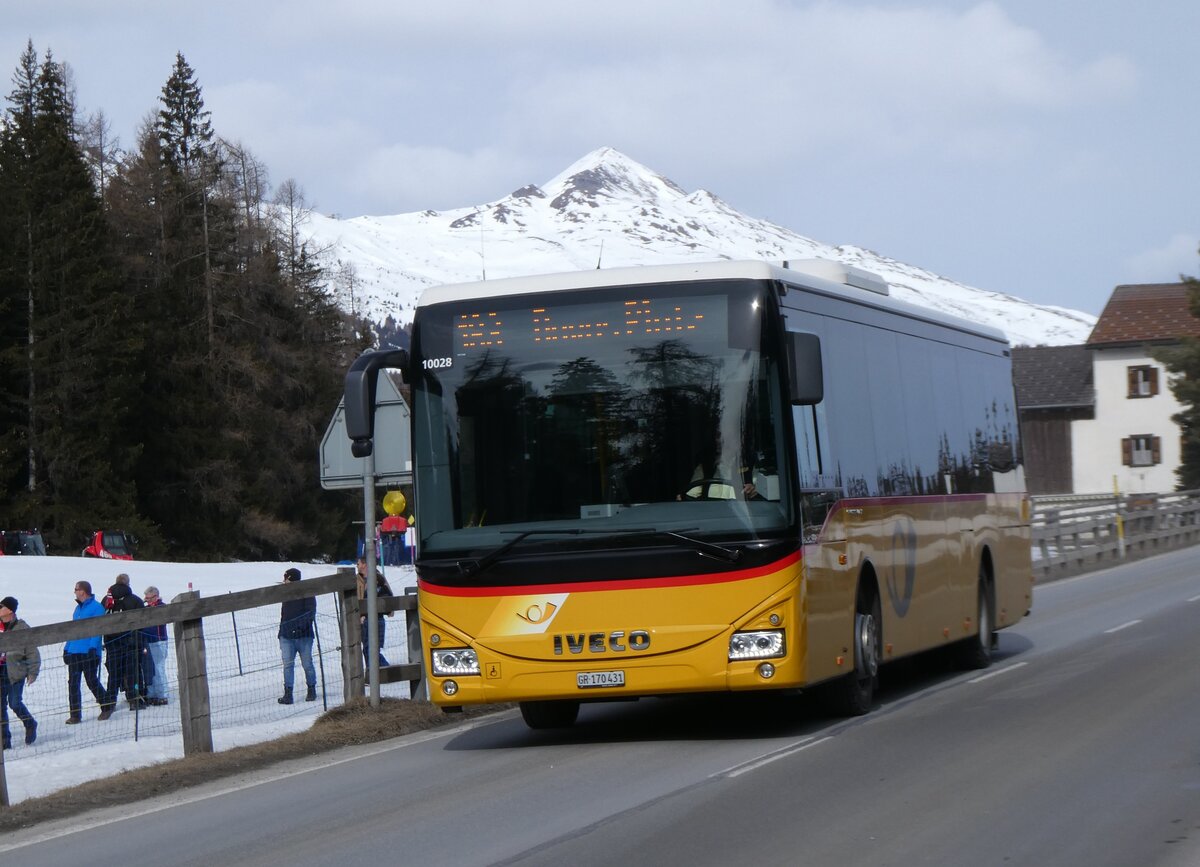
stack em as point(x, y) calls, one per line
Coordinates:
point(111, 545)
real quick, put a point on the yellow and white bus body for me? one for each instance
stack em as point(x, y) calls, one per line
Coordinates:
point(706, 478)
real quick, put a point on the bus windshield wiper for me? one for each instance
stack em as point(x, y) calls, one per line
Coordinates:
point(712, 550)
point(479, 564)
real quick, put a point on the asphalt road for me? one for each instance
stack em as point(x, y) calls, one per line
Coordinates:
point(1080, 746)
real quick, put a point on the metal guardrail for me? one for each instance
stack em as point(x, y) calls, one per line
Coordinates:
point(1072, 535)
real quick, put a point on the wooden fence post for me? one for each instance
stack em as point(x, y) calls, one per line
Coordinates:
point(352, 655)
point(4, 802)
point(195, 712)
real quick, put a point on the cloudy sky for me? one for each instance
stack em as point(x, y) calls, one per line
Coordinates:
point(1042, 149)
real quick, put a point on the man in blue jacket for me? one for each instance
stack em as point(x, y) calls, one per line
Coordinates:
point(296, 617)
point(82, 656)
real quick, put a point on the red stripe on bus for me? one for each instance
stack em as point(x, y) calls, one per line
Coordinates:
point(622, 584)
point(926, 499)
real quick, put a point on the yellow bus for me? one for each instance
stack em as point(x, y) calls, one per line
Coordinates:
point(715, 477)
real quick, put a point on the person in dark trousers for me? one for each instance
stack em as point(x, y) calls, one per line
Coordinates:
point(82, 655)
point(154, 655)
point(121, 654)
point(18, 667)
point(296, 619)
point(382, 588)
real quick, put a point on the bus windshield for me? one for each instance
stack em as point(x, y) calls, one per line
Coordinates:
point(647, 412)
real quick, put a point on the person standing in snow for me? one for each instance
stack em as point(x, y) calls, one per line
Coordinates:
point(154, 638)
point(17, 668)
point(121, 654)
point(108, 602)
point(296, 619)
point(382, 588)
point(82, 655)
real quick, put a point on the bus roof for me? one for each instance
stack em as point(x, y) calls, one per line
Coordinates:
point(824, 276)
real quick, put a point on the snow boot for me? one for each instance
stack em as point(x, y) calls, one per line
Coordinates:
point(286, 698)
point(311, 695)
point(74, 720)
point(30, 733)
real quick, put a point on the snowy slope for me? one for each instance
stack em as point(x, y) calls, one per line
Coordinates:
point(609, 210)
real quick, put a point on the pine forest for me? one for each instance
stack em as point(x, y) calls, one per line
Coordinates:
point(171, 349)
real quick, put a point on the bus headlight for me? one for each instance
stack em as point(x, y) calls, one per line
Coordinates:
point(766, 644)
point(455, 660)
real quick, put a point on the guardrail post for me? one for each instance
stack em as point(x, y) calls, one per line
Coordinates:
point(412, 622)
point(195, 712)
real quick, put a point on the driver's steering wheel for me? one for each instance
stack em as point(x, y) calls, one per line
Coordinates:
point(704, 485)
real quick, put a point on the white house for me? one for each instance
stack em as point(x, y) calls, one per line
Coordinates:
point(1130, 439)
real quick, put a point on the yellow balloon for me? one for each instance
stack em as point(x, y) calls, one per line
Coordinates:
point(394, 502)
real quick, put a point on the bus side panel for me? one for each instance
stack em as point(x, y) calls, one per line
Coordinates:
point(927, 577)
point(829, 591)
point(1013, 561)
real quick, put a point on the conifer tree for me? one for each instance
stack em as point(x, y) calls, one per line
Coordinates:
point(1184, 362)
point(158, 199)
point(79, 374)
point(20, 451)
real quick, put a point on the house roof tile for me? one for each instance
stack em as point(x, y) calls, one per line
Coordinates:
point(1047, 377)
point(1145, 313)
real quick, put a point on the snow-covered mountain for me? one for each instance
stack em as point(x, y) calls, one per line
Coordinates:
point(611, 210)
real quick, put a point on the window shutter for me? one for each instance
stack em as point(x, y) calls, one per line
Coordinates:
point(1152, 372)
point(1127, 451)
point(1131, 389)
point(1156, 450)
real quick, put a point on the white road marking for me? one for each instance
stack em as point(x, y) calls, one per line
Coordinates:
point(217, 788)
point(782, 753)
point(998, 672)
point(1194, 599)
point(1122, 626)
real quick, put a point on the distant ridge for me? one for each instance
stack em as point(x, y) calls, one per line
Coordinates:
point(608, 201)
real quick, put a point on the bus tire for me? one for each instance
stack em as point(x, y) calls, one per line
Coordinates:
point(975, 652)
point(549, 714)
point(854, 693)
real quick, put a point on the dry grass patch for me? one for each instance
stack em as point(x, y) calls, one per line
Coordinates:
point(351, 724)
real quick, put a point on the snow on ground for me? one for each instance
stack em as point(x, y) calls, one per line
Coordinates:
point(244, 669)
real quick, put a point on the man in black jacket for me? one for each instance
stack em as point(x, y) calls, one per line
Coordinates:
point(296, 617)
point(121, 651)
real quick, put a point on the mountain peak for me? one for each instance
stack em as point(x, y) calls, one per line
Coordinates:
point(606, 173)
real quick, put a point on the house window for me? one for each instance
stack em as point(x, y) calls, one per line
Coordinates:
point(1141, 450)
point(1143, 381)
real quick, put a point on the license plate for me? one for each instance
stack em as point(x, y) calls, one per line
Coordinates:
point(595, 679)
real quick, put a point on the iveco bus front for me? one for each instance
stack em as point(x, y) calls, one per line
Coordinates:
point(631, 483)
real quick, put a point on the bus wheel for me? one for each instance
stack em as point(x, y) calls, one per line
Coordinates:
point(549, 714)
point(855, 692)
point(975, 652)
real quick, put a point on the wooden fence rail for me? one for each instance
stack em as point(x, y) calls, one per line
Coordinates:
point(1079, 535)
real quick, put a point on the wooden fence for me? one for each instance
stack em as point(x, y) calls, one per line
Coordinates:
point(1072, 535)
point(188, 610)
